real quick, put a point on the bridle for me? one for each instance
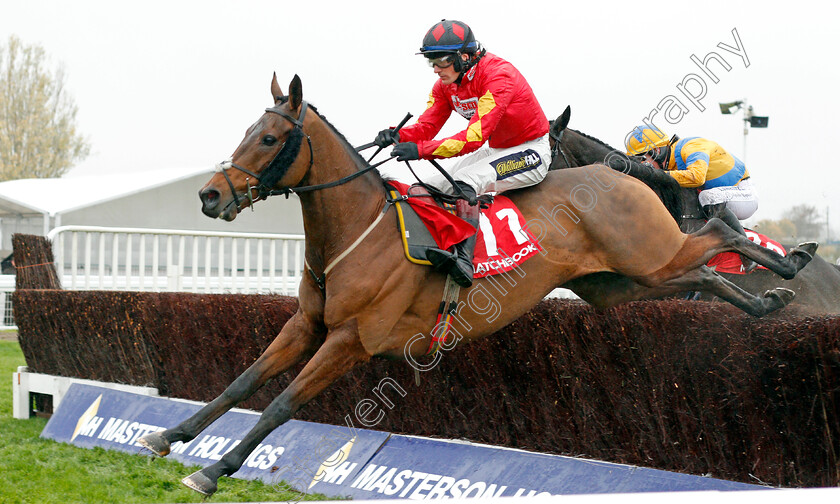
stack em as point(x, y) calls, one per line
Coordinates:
point(557, 149)
point(277, 168)
point(281, 163)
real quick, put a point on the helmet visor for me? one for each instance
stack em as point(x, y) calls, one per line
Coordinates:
point(444, 61)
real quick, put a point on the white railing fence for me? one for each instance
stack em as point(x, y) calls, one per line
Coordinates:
point(166, 260)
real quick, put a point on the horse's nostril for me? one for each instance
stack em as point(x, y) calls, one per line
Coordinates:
point(209, 197)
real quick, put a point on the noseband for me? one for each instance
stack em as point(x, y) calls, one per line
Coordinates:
point(278, 166)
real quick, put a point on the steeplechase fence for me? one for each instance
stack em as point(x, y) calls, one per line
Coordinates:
point(687, 386)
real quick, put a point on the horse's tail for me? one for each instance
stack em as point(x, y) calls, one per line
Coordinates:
point(664, 185)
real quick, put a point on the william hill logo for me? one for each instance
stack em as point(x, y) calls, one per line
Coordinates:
point(517, 163)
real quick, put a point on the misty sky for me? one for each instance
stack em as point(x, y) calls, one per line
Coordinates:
point(175, 84)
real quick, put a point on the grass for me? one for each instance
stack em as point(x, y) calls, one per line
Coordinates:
point(44, 471)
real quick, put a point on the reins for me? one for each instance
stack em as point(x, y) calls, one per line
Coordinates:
point(283, 160)
point(557, 148)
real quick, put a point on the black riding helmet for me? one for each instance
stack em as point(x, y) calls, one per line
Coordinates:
point(452, 37)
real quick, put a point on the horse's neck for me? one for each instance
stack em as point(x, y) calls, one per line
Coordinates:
point(585, 150)
point(333, 218)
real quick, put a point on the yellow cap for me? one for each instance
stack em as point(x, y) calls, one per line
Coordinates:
point(643, 139)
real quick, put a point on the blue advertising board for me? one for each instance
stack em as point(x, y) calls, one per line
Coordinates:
point(340, 461)
point(297, 452)
point(421, 468)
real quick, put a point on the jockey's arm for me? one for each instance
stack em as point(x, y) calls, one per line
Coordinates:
point(696, 168)
point(490, 108)
point(430, 121)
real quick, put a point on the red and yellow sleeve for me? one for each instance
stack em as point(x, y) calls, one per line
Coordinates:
point(490, 108)
point(430, 121)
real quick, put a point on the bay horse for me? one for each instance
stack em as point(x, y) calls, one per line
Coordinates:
point(817, 286)
point(360, 298)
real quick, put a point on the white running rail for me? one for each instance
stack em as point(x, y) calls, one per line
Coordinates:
point(139, 259)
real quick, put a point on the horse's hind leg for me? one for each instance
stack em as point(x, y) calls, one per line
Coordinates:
point(610, 289)
point(340, 352)
point(716, 237)
point(296, 340)
point(706, 280)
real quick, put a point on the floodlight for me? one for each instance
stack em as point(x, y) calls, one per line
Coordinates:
point(759, 121)
point(728, 108)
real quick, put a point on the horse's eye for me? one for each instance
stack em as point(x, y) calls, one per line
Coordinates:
point(269, 140)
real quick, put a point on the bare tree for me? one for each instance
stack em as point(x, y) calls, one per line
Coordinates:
point(808, 222)
point(38, 135)
point(780, 230)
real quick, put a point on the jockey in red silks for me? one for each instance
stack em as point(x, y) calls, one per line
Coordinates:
point(505, 145)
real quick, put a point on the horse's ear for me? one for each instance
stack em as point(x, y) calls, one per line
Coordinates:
point(295, 93)
point(276, 92)
point(565, 116)
point(559, 124)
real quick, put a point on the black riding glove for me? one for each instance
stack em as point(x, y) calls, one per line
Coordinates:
point(405, 151)
point(387, 137)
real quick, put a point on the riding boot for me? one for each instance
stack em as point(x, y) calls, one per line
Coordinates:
point(458, 264)
point(723, 213)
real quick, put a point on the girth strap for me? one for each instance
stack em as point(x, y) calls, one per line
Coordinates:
point(322, 280)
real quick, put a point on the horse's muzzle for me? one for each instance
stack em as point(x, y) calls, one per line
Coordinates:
point(210, 202)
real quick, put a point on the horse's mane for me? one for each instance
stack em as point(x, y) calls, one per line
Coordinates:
point(360, 161)
point(590, 137)
point(668, 190)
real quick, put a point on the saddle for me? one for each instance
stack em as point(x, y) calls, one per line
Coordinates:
point(503, 240)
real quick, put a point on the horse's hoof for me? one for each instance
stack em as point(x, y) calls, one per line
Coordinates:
point(155, 443)
point(799, 257)
point(809, 247)
point(200, 483)
point(779, 297)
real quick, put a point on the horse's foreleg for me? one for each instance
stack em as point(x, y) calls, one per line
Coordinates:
point(716, 237)
point(340, 352)
point(297, 339)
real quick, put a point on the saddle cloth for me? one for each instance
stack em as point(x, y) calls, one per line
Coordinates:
point(730, 262)
point(502, 244)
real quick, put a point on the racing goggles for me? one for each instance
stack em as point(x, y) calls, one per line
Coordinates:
point(444, 61)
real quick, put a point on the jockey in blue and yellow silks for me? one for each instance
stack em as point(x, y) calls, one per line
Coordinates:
point(725, 188)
